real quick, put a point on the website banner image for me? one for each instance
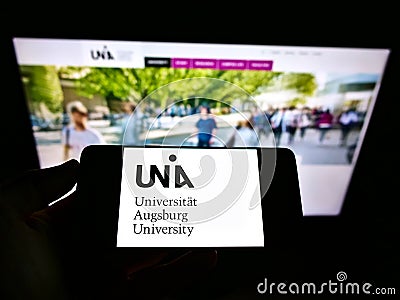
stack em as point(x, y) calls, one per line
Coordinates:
point(315, 101)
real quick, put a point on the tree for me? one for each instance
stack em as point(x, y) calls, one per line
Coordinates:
point(303, 83)
point(42, 85)
point(111, 83)
point(296, 101)
point(125, 84)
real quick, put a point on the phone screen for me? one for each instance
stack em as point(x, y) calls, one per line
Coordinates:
point(190, 197)
point(162, 196)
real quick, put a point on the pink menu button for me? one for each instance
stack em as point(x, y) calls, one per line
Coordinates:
point(264, 65)
point(205, 63)
point(181, 63)
point(231, 64)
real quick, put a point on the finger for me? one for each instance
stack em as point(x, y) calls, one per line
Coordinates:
point(59, 215)
point(35, 189)
point(59, 222)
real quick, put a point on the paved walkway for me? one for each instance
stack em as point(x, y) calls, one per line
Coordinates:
point(179, 131)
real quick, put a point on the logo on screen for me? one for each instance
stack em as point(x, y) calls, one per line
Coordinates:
point(103, 54)
point(181, 178)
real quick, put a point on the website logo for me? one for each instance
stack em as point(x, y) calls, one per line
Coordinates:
point(181, 179)
point(103, 54)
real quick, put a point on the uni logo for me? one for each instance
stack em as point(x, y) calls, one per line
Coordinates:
point(181, 179)
point(104, 54)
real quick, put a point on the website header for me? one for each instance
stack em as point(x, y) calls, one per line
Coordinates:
point(137, 54)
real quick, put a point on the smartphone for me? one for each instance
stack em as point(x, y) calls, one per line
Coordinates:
point(101, 177)
point(238, 267)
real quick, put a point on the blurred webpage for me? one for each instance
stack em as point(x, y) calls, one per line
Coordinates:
point(307, 81)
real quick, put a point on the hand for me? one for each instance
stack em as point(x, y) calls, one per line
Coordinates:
point(30, 266)
point(44, 255)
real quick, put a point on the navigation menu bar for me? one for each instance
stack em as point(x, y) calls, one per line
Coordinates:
point(221, 64)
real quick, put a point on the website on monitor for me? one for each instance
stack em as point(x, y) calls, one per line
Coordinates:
point(320, 97)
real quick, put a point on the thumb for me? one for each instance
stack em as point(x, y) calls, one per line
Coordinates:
point(35, 189)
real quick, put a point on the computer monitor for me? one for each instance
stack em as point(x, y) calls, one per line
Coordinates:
point(328, 95)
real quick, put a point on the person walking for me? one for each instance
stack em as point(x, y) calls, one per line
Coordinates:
point(324, 124)
point(278, 124)
point(347, 120)
point(131, 125)
point(291, 120)
point(304, 122)
point(76, 136)
point(261, 123)
point(245, 135)
point(206, 128)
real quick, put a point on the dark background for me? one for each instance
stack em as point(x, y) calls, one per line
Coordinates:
point(363, 239)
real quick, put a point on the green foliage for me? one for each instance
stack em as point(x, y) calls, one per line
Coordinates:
point(250, 81)
point(135, 84)
point(296, 101)
point(43, 86)
point(303, 83)
point(111, 83)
